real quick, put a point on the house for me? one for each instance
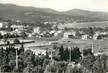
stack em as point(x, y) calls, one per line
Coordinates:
point(67, 34)
point(95, 36)
point(18, 31)
point(53, 31)
point(17, 26)
point(85, 37)
point(101, 34)
point(36, 30)
point(29, 34)
point(3, 32)
point(55, 34)
point(37, 50)
point(98, 53)
point(3, 24)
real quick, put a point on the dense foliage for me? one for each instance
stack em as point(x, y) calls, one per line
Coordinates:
point(65, 60)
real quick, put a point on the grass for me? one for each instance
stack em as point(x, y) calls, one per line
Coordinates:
point(85, 25)
point(84, 44)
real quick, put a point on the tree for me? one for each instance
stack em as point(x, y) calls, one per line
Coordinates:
point(77, 35)
point(6, 57)
point(61, 52)
point(38, 69)
point(5, 38)
point(1, 55)
point(66, 54)
point(99, 37)
point(27, 70)
point(87, 52)
point(23, 34)
point(73, 70)
point(45, 63)
point(12, 64)
point(75, 54)
point(47, 55)
point(55, 67)
point(8, 42)
point(88, 60)
point(16, 41)
point(5, 68)
point(1, 36)
point(21, 50)
point(99, 65)
point(29, 58)
point(55, 46)
point(91, 32)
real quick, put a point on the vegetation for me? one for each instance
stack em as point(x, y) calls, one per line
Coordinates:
point(27, 61)
point(65, 54)
point(65, 60)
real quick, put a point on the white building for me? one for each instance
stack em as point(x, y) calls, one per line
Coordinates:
point(17, 31)
point(53, 31)
point(95, 36)
point(3, 32)
point(37, 51)
point(36, 30)
point(17, 26)
point(98, 53)
point(29, 34)
point(85, 36)
point(57, 32)
point(66, 34)
point(3, 25)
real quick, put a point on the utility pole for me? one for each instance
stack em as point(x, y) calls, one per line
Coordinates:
point(16, 59)
point(52, 55)
point(92, 47)
point(70, 54)
point(99, 47)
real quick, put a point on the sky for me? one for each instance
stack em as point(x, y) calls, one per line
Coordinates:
point(63, 5)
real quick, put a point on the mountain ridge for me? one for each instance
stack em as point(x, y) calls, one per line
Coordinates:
point(34, 14)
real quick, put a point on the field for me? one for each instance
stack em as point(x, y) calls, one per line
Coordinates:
point(83, 44)
point(96, 45)
point(85, 25)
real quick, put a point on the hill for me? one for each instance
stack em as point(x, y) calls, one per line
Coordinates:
point(85, 13)
point(33, 15)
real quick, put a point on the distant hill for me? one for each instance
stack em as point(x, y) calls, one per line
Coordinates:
point(85, 13)
point(32, 14)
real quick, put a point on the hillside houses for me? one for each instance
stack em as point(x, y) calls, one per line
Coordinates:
point(43, 32)
point(3, 32)
point(77, 34)
point(52, 31)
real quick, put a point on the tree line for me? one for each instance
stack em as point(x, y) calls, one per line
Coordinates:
point(64, 60)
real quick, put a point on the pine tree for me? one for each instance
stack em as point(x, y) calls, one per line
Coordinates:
point(76, 54)
point(61, 52)
point(66, 54)
point(21, 50)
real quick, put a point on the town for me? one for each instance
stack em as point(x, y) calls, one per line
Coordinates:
point(53, 36)
point(50, 49)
